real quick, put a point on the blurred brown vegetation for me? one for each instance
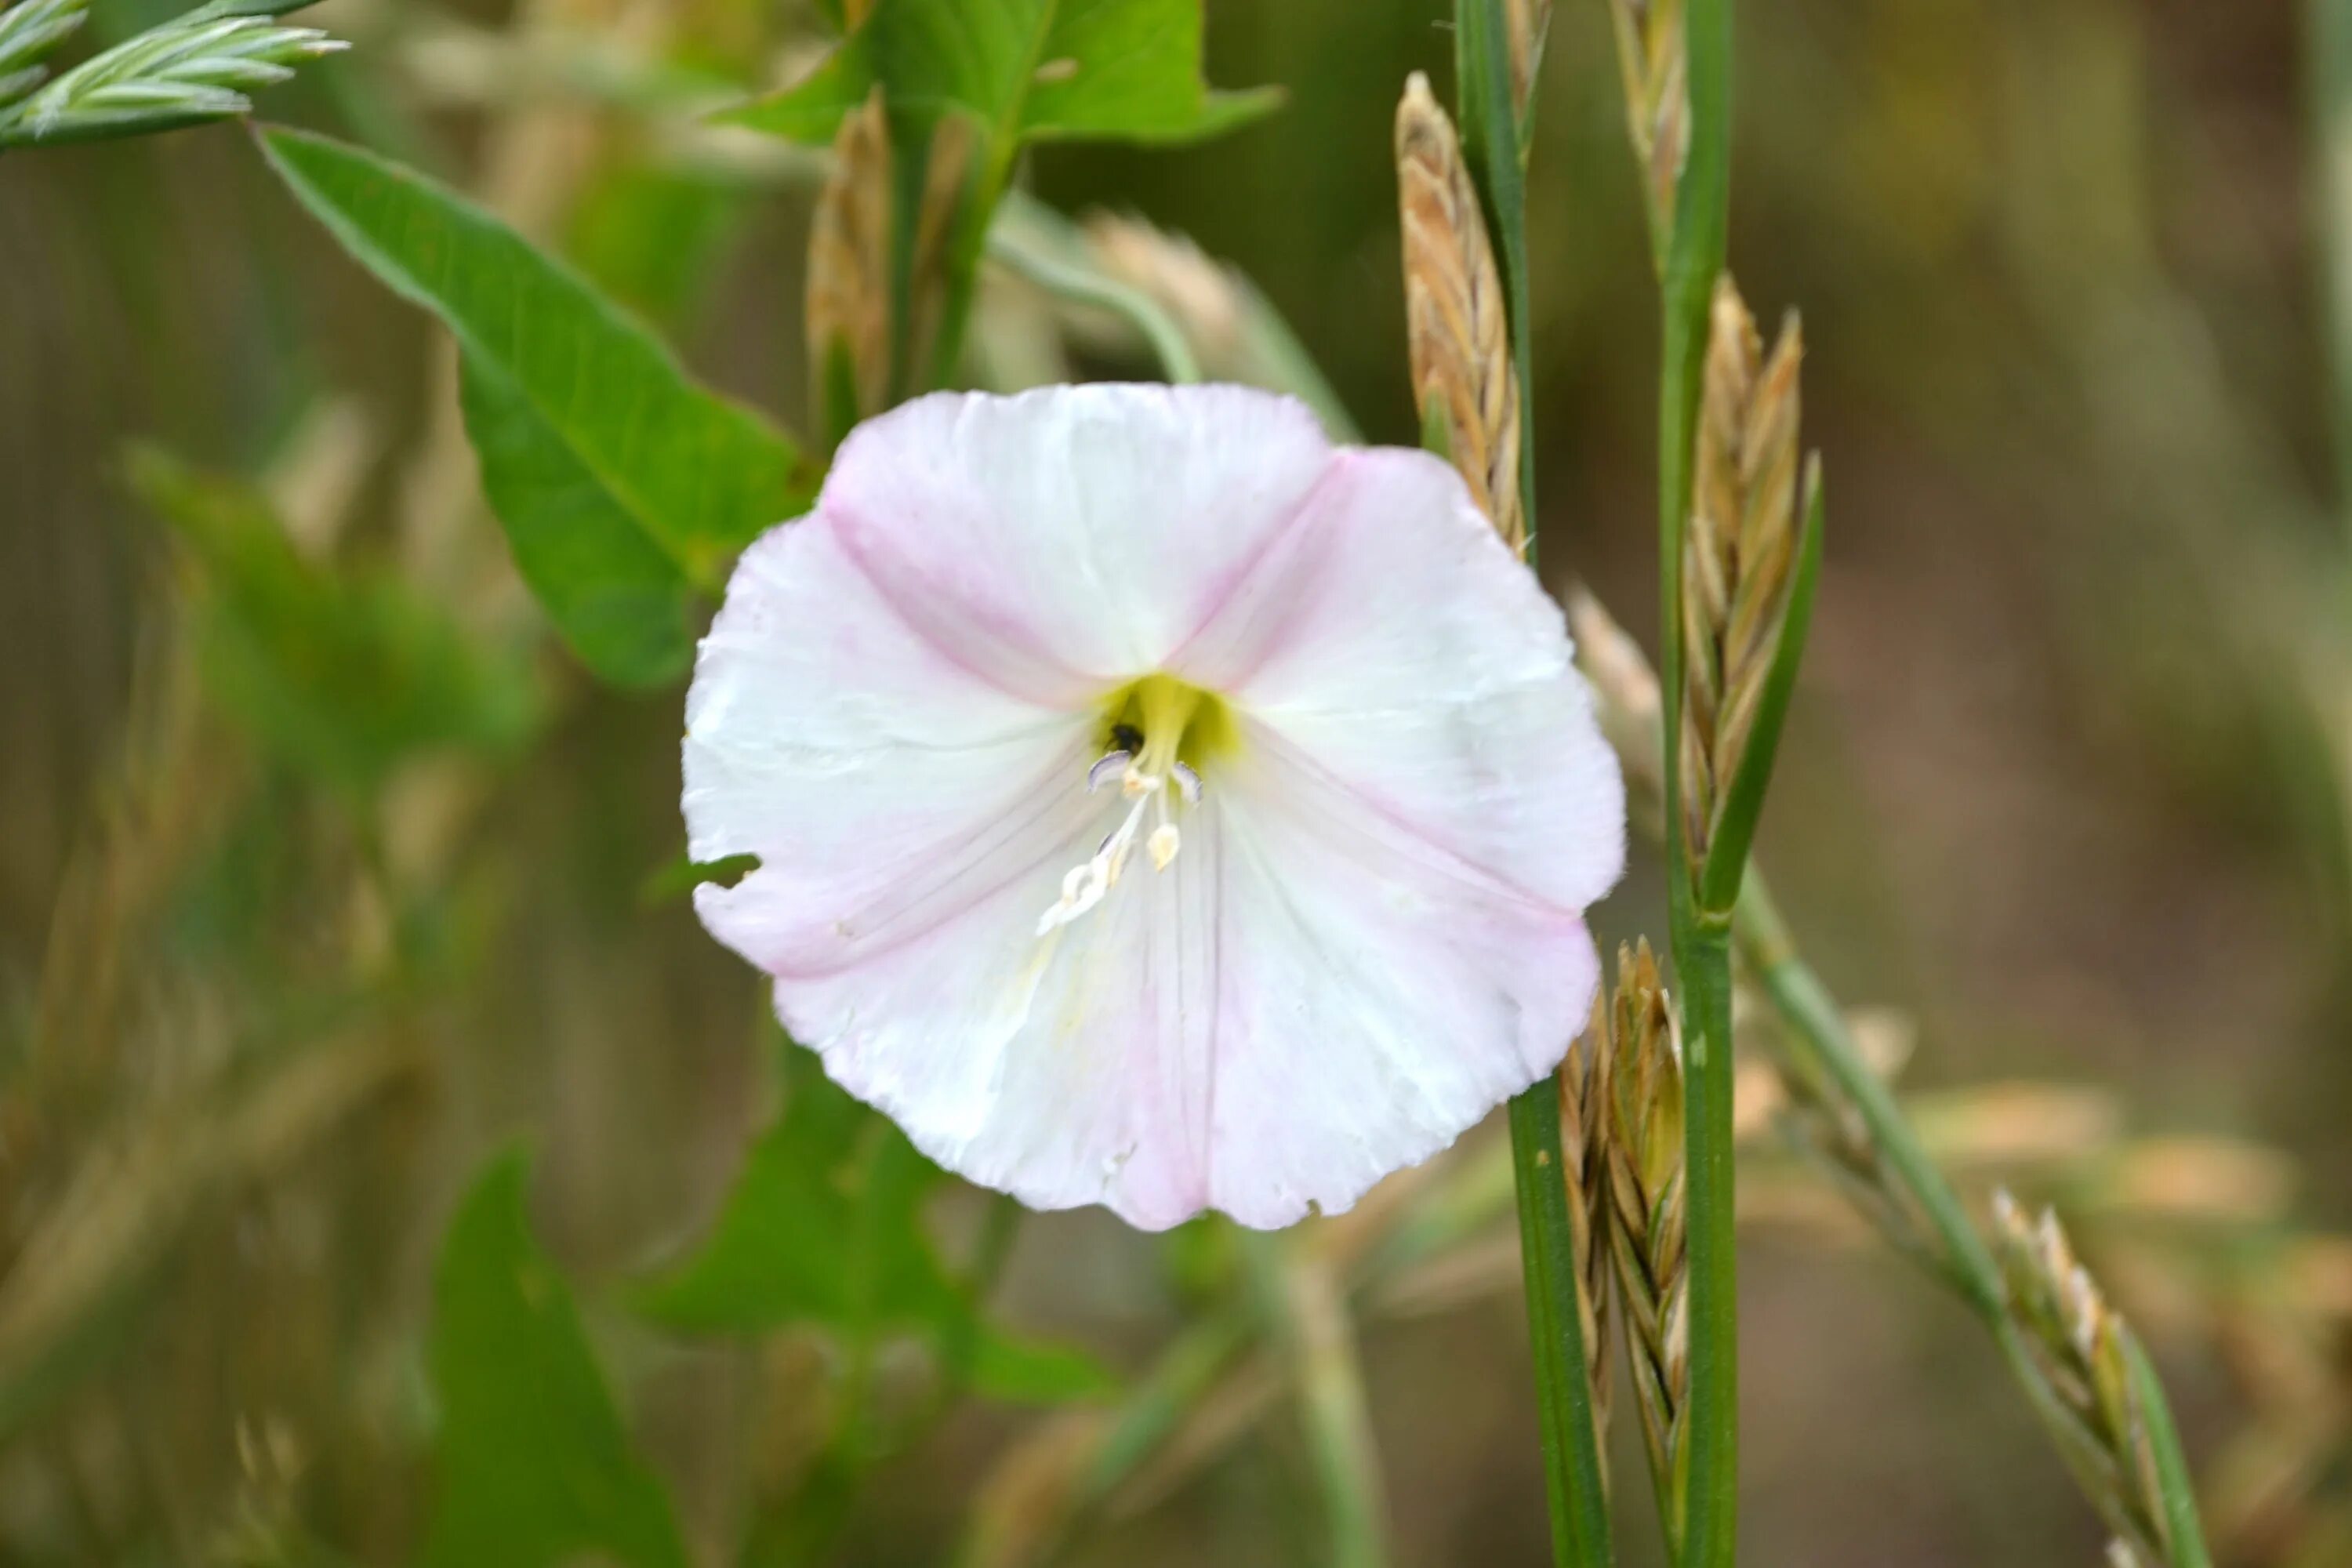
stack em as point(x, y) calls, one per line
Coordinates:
point(2062, 783)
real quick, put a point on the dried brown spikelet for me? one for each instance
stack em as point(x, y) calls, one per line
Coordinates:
point(2084, 1353)
point(1651, 60)
point(1739, 552)
point(2210, 1181)
point(854, 14)
point(947, 170)
point(1457, 321)
point(1825, 1123)
point(1648, 1229)
point(1584, 1158)
point(849, 300)
point(1524, 22)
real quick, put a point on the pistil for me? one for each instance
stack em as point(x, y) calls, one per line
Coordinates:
point(1149, 771)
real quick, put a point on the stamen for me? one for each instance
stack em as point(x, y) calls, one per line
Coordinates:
point(1144, 762)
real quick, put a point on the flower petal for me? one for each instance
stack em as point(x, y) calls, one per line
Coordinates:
point(1398, 645)
point(1382, 991)
point(1066, 1068)
point(827, 737)
point(1309, 997)
point(1066, 539)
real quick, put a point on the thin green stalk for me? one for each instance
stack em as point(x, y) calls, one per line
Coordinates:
point(1695, 258)
point(1306, 1318)
point(2175, 1485)
point(1572, 1484)
point(1183, 1375)
point(1818, 1028)
point(1085, 286)
point(1000, 1227)
point(1703, 965)
point(2327, 48)
point(1579, 1500)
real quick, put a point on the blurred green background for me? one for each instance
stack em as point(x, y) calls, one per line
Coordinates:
point(2064, 785)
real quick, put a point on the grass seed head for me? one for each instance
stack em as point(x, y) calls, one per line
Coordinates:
point(1738, 554)
point(848, 297)
point(1648, 1229)
point(1458, 323)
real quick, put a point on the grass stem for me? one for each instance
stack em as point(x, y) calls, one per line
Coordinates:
point(1573, 1472)
point(1702, 952)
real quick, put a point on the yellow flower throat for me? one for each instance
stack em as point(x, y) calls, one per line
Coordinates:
point(1159, 735)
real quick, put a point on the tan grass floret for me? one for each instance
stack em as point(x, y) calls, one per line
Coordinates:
point(1584, 1090)
point(849, 297)
point(1456, 316)
point(1738, 554)
point(1650, 59)
point(2086, 1358)
point(1647, 1215)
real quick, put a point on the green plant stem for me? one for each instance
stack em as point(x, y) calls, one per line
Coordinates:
point(1179, 1379)
point(1009, 247)
point(1572, 1484)
point(1283, 362)
point(1491, 145)
point(1702, 954)
point(2174, 1483)
point(1816, 1028)
point(2327, 48)
point(1702, 966)
point(1306, 1318)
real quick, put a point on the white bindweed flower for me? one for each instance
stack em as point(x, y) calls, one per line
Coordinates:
point(1155, 805)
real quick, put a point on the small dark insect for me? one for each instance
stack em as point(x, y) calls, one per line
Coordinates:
point(1126, 738)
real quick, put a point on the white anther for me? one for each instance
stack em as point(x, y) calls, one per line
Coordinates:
point(1084, 886)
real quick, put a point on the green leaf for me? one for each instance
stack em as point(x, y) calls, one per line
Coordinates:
point(1123, 70)
point(346, 675)
point(533, 1467)
point(826, 1226)
point(621, 604)
point(625, 488)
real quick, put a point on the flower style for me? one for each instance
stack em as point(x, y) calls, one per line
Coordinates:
point(1155, 805)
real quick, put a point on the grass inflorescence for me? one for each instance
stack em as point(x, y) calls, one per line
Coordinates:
point(198, 68)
